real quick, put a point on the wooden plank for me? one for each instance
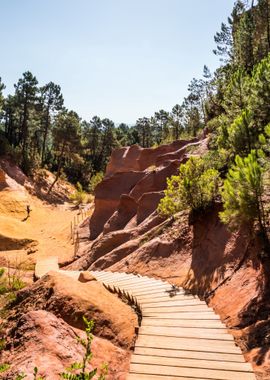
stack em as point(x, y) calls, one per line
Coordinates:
point(190, 344)
point(138, 280)
point(131, 284)
point(185, 354)
point(186, 332)
point(106, 275)
point(207, 324)
point(135, 376)
point(168, 303)
point(191, 363)
point(139, 287)
point(188, 315)
point(196, 373)
point(165, 297)
point(177, 309)
point(153, 291)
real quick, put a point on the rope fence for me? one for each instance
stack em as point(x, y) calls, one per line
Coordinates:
point(82, 215)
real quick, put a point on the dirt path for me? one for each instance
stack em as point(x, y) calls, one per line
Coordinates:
point(48, 227)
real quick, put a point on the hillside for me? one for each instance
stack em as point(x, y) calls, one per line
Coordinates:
point(46, 232)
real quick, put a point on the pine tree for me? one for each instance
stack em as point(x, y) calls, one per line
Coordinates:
point(51, 101)
point(260, 94)
point(224, 42)
point(242, 194)
point(143, 126)
point(66, 142)
point(26, 93)
point(161, 130)
point(2, 87)
point(177, 121)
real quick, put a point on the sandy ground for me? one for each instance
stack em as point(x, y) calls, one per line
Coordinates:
point(48, 226)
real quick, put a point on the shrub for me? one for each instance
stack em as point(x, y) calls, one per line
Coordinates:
point(11, 280)
point(80, 196)
point(4, 367)
point(72, 372)
point(95, 180)
point(194, 188)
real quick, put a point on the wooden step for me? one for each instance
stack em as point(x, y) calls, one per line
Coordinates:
point(165, 297)
point(191, 363)
point(185, 354)
point(191, 344)
point(202, 323)
point(177, 309)
point(158, 291)
point(197, 373)
point(186, 332)
point(184, 315)
point(180, 337)
point(134, 376)
point(169, 303)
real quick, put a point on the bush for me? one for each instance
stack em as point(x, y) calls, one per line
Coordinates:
point(194, 188)
point(11, 280)
point(95, 180)
point(78, 371)
point(80, 196)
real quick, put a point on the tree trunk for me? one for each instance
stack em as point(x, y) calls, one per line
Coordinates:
point(58, 169)
point(24, 129)
point(46, 130)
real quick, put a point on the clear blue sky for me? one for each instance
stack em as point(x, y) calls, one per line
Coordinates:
point(121, 59)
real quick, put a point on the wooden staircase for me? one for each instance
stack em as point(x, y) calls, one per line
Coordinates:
point(180, 336)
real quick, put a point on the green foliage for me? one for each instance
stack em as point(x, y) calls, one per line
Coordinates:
point(260, 93)
point(21, 376)
point(4, 367)
point(78, 371)
point(10, 282)
point(95, 180)
point(194, 188)
point(36, 375)
point(80, 196)
point(242, 192)
point(240, 137)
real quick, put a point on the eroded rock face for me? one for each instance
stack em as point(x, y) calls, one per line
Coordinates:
point(71, 299)
point(126, 210)
point(124, 160)
point(131, 173)
point(41, 339)
point(107, 198)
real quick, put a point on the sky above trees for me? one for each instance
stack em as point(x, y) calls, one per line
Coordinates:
point(120, 59)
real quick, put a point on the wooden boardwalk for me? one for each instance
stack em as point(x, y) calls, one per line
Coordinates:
point(180, 337)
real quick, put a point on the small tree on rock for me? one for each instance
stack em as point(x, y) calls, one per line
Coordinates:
point(242, 194)
point(194, 188)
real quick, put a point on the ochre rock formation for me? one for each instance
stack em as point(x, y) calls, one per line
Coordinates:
point(131, 173)
point(71, 299)
point(41, 339)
